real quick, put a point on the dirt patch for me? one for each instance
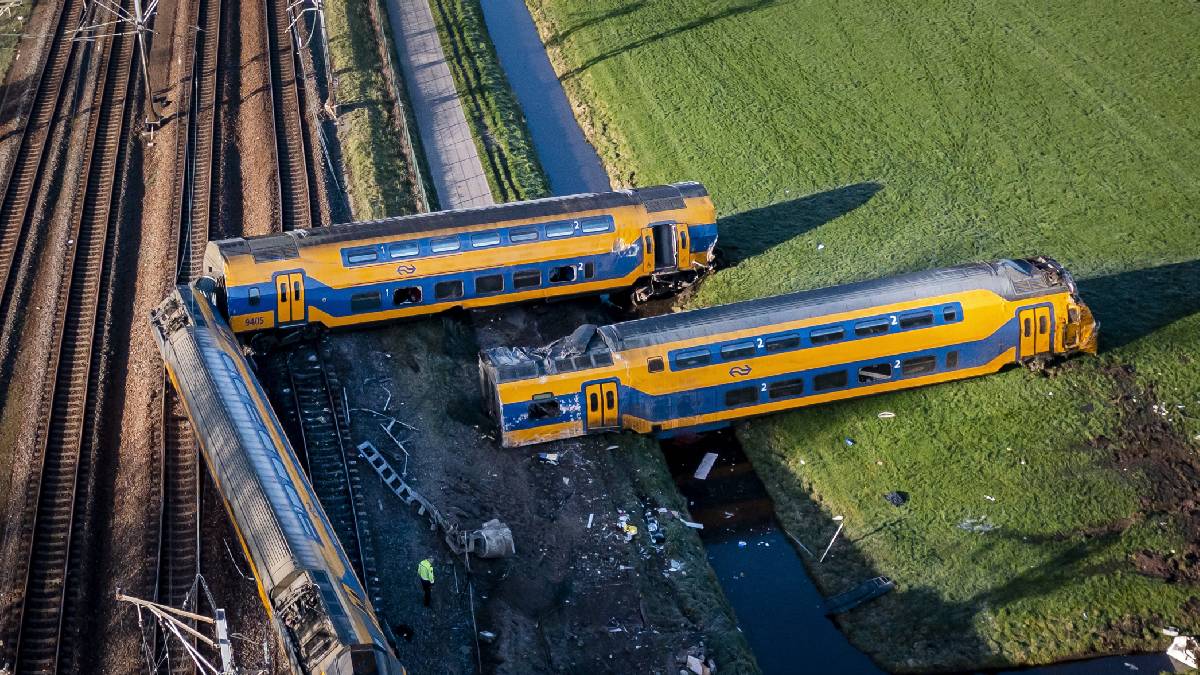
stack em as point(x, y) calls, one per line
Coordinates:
point(1150, 444)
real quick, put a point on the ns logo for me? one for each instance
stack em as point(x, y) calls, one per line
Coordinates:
point(739, 371)
point(405, 269)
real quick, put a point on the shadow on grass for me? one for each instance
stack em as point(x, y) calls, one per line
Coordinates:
point(749, 233)
point(624, 10)
point(1131, 305)
point(700, 22)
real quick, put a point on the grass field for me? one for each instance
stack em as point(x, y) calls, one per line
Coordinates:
point(504, 144)
point(381, 180)
point(902, 136)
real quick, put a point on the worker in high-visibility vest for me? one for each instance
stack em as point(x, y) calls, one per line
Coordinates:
point(425, 571)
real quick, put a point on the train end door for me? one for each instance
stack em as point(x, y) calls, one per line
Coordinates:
point(600, 401)
point(290, 306)
point(1034, 325)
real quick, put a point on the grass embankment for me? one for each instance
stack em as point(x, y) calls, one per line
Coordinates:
point(497, 123)
point(959, 132)
point(10, 34)
point(382, 180)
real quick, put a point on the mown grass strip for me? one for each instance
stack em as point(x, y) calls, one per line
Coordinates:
point(503, 140)
point(380, 175)
point(859, 139)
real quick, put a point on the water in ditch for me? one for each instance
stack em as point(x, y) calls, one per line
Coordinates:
point(569, 160)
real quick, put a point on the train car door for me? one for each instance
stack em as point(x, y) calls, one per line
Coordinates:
point(1041, 316)
point(600, 398)
point(289, 296)
point(1025, 325)
point(664, 246)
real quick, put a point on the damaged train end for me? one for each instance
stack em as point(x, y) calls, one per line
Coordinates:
point(315, 600)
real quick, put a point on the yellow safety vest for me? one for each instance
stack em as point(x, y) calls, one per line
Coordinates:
point(425, 570)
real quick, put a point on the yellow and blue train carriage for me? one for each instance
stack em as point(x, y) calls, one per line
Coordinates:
point(705, 368)
point(307, 583)
point(648, 240)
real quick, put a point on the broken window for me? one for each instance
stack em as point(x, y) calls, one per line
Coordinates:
point(408, 295)
point(832, 380)
point(876, 372)
point(544, 408)
point(563, 274)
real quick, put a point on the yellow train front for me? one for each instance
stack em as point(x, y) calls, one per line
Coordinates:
point(704, 368)
point(646, 241)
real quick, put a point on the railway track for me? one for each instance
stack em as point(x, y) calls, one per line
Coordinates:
point(26, 178)
point(68, 411)
point(296, 206)
point(325, 446)
point(180, 480)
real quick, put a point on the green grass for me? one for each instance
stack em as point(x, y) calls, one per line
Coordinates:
point(379, 172)
point(907, 136)
point(10, 29)
point(497, 123)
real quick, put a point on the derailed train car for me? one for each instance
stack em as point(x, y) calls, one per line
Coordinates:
point(707, 367)
point(304, 578)
point(645, 241)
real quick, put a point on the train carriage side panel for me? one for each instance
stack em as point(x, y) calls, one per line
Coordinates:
point(304, 577)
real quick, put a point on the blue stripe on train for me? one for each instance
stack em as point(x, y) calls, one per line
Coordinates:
point(336, 301)
point(707, 400)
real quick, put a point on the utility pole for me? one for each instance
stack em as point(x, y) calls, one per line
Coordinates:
point(140, 20)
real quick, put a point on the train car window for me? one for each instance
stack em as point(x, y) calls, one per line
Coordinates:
point(1028, 327)
point(1043, 325)
point(951, 359)
point(785, 388)
point(445, 245)
point(253, 297)
point(409, 295)
point(655, 365)
point(949, 313)
point(544, 406)
point(555, 230)
point(876, 372)
point(782, 343)
point(357, 256)
point(602, 359)
point(741, 396)
point(563, 274)
point(739, 350)
point(823, 335)
point(492, 283)
point(589, 270)
point(916, 319)
point(872, 327)
point(918, 365)
point(365, 302)
point(593, 402)
point(832, 380)
point(693, 358)
point(404, 249)
point(527, 279)
point(523, 234)
point(448, 290)
point(596, 225)
point(484, 239)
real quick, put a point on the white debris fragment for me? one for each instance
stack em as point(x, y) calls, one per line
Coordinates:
point(989, 498)
point(887, 415)
point(591, 516)
point(706, 465)
point(820, 247)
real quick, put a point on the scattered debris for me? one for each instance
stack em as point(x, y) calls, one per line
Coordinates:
point(590, 517)
point(487, 636)
point(1131, 666)
point(887, 415)
point(896, 498)
point(676, 566)
point(989, 498)
point(1170, 631)
point(864, 592)
point(841, 524)
point(849, 441)
point(706, 465)
point(979, 524)
point(820, 247)
point(550, 458)
point(656, 534)
point(1185, 650)
point(742, 544)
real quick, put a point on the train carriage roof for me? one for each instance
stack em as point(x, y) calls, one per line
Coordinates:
point(284, 246)
point(1010, 279)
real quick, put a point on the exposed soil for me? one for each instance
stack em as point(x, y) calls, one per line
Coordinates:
point(1149, 444)
point(576, 596)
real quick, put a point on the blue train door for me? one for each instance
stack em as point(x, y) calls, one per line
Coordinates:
point(289, 298)
point(600, 399)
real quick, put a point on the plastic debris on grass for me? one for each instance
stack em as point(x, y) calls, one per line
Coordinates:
point(887, 415)
point(979, 525)
point(896, 498)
